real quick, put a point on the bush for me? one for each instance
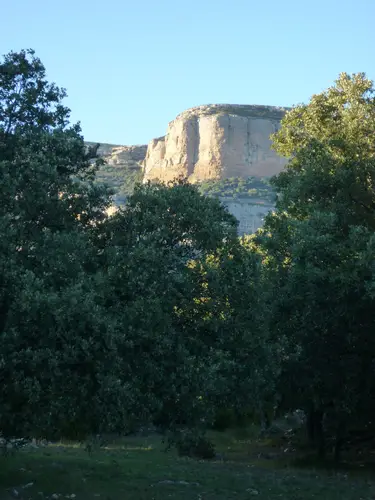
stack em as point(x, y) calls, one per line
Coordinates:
point(236, 187)
point(192, 444)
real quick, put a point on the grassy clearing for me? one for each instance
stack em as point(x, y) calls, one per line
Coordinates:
point(139, 468)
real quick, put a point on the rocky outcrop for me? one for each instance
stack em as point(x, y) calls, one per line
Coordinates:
point(122, 168)
point(121, 156)
point(216, 142)
point(249, 212)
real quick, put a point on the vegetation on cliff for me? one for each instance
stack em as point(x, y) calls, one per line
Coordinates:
point(238, 187)
point(120, 168)
point(120, 179)
point(246, 110)
point(160, 313)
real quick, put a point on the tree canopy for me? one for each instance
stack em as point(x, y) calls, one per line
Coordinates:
point(318, 249)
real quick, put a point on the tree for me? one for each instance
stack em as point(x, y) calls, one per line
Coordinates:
point(322, 314)
point(154, 246)
point(333, 135)
point(342, 118)
point(185, 296)
point(52, 329)
point(239, 317)
point(318, 259)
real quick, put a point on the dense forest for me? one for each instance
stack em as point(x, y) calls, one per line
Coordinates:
point(161, 313)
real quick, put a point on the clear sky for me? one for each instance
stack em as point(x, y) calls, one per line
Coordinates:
point(130, 66)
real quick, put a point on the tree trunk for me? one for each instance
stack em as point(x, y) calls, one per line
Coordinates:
point(319, 433)
point(310, 426)
point(265, 421)
point(339, 441)
point(315, 430)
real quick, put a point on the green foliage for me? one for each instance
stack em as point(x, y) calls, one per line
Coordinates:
point(192, 444)
point(173, 255)
point(237, 187)
point(51, 323)
point(318, 255)
point(121, 179)
point(249, 110)
point(342, 118)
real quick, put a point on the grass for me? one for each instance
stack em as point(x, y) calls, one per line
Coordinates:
point(139, 468)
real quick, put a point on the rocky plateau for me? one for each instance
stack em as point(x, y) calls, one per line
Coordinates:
point(216, 141)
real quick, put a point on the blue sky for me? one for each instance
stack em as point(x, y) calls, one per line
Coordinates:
point(131, 66)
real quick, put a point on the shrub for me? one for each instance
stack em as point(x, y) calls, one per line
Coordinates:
point(193, 444)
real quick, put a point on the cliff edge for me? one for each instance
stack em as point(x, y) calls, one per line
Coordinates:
point(216, 141)
point(121, 156)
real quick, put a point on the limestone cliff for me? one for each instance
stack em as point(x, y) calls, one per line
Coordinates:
point(122, 156)
point(216, 141)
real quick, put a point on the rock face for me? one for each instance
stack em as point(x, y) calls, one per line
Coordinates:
point(250, 213)
point(122, 156)
point(216, 142)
